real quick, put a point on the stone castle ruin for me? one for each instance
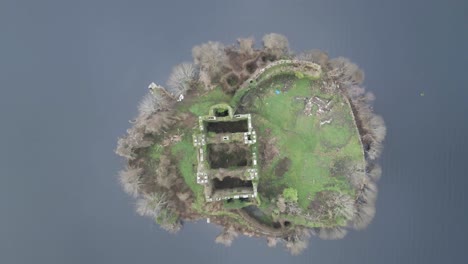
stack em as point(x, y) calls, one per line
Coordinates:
point(227, 155)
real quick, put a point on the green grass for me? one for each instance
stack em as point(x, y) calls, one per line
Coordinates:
point(202, 105)
point(187, 153)
point(311, 148)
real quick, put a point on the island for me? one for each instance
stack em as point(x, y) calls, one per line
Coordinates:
point(261, 141)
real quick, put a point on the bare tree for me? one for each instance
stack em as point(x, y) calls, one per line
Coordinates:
point(330, 233)
point(211, 59)
point(130, 180)
point(173, 227)
point(134, 139)
point(272, 241)
point(370, 97)
point(343, 206)
point(158, 122)
point(181, 77)
point(365, 202)
point(346, 72)
point(332, 206)
point(168, 220)
point(378, 129)
point(166, 173)
point(357, 178)
point(151, 103)
point(246, 45)
point(297, 242)
point(375, 172)
point(151, 204)
point(355, 92)
point(276, 44)
point(368, 192)
point(374, 150)
point(315, 56)
point(124, 149)
point(364, 216)
point(226, 237)
point(293, 208)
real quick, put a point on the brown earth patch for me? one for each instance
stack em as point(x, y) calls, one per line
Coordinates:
point(282, 167)
point(267, 148)
point(228, 155)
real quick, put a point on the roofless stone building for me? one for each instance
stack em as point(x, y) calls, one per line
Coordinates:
point(227, 155)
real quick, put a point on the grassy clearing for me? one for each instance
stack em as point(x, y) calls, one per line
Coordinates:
point(311, 148)
point(187, 160)
point(203, 103)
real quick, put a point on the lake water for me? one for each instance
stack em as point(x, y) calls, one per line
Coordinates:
point(72, 73)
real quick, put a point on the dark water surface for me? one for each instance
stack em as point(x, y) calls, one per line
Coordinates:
point(72, 73)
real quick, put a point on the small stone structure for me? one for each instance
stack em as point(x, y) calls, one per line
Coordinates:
point(158, 90)
point(227, 154)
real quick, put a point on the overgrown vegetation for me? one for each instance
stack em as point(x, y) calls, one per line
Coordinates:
point(318, 143)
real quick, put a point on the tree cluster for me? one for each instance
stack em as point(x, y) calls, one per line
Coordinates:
point(276, 45)
point(182, 77)
point(345, 72)
point(230, 66)
point(372, 131)
point(315, 56)
point(227, 236)
point(331, 206)
point(298, 241)
point(211, 58)
point(154, 182)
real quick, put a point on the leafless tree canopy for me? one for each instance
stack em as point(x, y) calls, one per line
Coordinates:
point(372, 127)
point(276, 44)
point(334, 205)
point(134, 139)
point(211, 58)
point(171, 227)
point(378, 129)
point(355, 92)
point(226, 237)
point(246, 45)
point(130, 181)
point(298, 242)
point(375, 150)
point(375, 172)
point(151, 204)
point(364, 216)
point(181, 77)
point(150, 104)
point(316, 56)
point(166, 173)
point(345, 71)
point(330, 233)
point(272, 241)
point(357, 178)
point(156, 124)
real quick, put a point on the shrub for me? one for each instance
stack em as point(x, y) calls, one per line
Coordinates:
point(290, 195)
